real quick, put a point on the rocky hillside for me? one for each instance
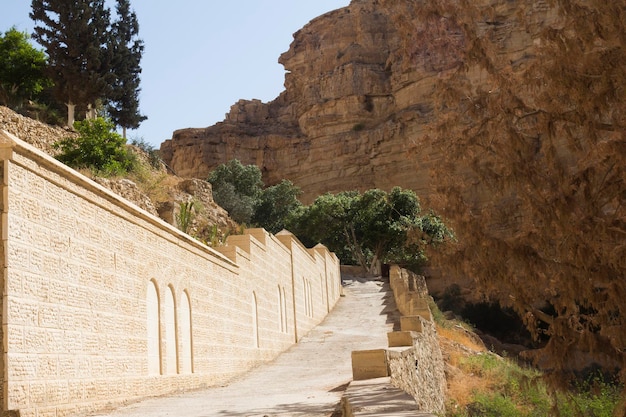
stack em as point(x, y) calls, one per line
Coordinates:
point(40, 135)
point(154, 190)
point(507, 117)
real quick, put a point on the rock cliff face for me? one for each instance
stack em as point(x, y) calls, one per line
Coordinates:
point(358, 95)
point(505, 116)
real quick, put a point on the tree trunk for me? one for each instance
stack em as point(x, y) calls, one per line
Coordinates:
point(372, 268)
point(91, 112)
point(124, 133)
point(356, 248)
point(71, 108)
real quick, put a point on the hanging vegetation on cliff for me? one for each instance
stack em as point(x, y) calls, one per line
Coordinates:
point(541, 211)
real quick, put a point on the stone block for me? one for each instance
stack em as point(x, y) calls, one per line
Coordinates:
point(411, 323)
point(378, 397)
point(367, 364)
point(397, 339)
point(422, 312)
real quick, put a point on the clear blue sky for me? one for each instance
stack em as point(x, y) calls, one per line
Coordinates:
point(201, 56)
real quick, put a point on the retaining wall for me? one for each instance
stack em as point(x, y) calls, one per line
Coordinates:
point(104, 304)
point(411, 364)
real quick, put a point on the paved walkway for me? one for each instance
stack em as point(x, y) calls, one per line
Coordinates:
point(308, 380)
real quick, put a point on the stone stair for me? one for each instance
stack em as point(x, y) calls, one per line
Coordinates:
point(378, 397)
point(407, 376)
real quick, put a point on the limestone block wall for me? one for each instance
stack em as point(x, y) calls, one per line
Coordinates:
point(103, 303)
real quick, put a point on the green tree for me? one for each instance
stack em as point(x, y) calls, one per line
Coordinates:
point(328, 220)
point(237, 189)
point(98, 148)
point(123, 106)
point(21, 69)
point(75, 35)
point(372, 227)
point(275, 205)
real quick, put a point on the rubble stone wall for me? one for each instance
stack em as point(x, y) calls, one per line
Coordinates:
point(420, 369)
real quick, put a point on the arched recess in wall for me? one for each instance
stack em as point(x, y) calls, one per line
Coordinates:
point(282, 307)
point(308, 305)
point(281, 312)
point(169, 321)
point(152, 328)
point(285, 309)
point(310, 288)
point(322, 290)
point(255, 320)
point(305, 295)
point(184, 330)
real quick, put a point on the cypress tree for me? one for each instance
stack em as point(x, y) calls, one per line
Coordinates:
point(127, 51)
point(75, 35)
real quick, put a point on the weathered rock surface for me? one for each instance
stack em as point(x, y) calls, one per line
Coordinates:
point(206, 211)
point(358, 94)
point(40, 135)
point(128, 189)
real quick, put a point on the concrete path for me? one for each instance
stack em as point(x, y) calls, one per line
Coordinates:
point(307, 380)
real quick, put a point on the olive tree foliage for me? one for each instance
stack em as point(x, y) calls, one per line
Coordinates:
point(237, 189)
point(533, 174)
point(21, 69)
point(365, 229)
point(275, 205)
point(372, 227)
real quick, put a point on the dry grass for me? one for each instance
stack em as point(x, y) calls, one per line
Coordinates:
point(458, 343)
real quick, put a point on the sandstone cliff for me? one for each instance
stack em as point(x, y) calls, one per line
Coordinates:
point(507, 117)
point(358, 95)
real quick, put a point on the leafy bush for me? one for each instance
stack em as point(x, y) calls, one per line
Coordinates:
point(98, 148)
point(237, 189)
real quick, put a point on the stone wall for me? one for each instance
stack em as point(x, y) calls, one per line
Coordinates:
point(105, 304)
point(420, 370)
point(36, 133)
point(412, 362)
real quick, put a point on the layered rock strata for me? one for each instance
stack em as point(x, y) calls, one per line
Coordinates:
point(358, 94)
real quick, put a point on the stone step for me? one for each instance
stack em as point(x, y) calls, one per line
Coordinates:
point(377, 397)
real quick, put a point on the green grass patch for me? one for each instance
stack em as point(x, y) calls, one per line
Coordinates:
point(517, 391)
